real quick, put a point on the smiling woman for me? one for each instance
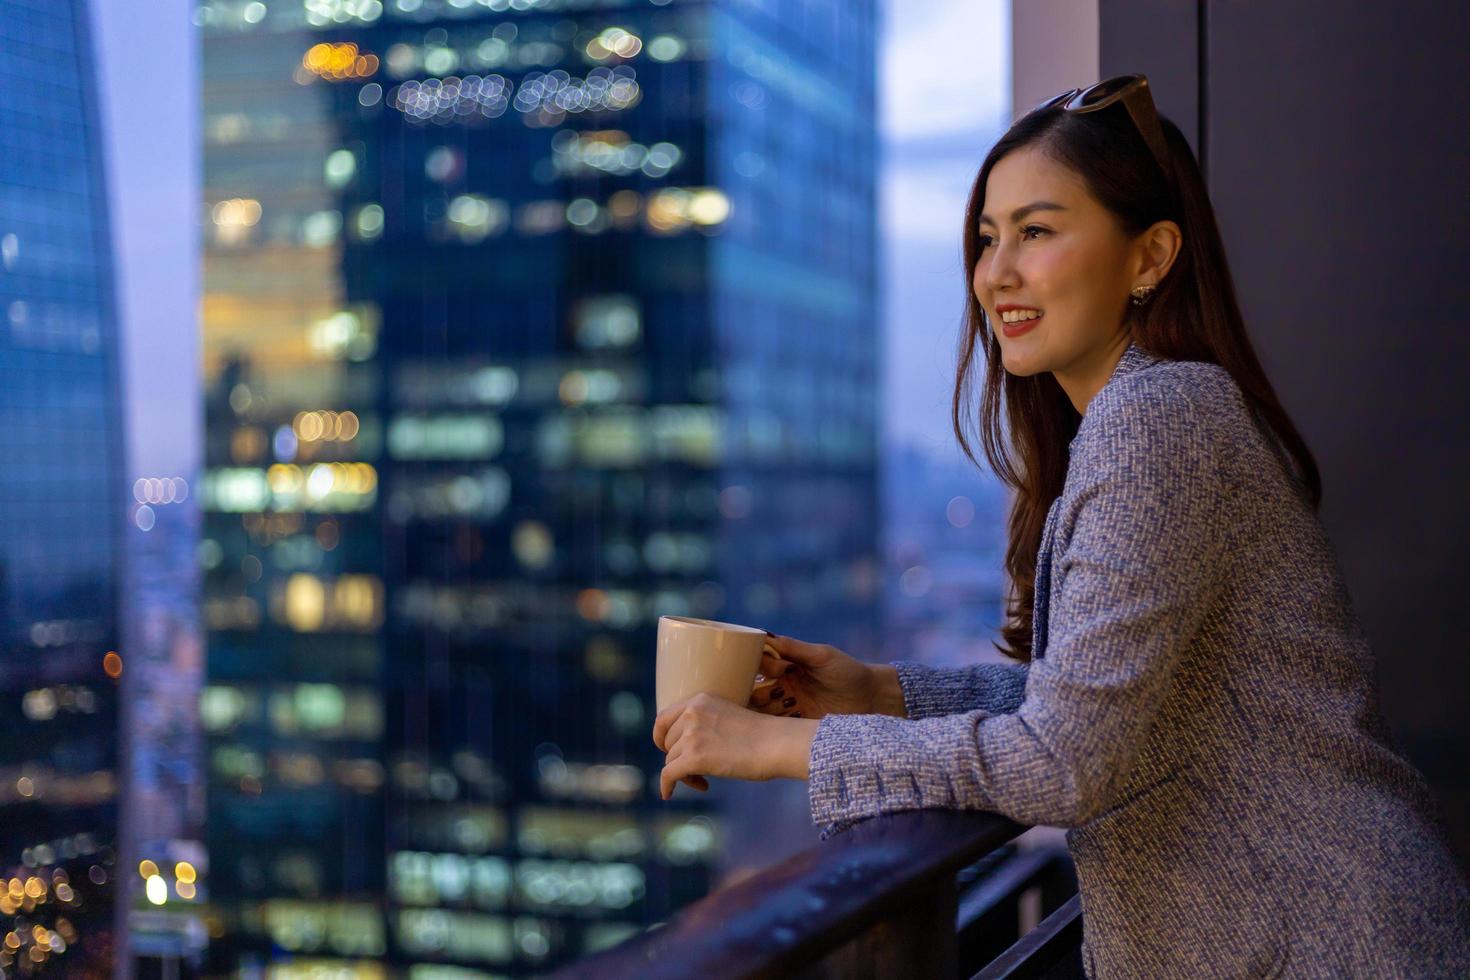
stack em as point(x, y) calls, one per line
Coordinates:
point(1195, 700)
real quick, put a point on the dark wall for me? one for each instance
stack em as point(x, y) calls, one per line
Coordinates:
point(1334, 141)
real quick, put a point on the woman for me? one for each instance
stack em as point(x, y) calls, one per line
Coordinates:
point(1195, 698)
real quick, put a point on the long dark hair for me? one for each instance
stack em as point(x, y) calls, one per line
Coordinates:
point(1192, 316)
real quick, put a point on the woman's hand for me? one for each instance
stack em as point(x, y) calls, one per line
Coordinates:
point(706, 735)
point(813, 680)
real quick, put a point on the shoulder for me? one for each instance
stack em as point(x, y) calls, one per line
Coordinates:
point(1164, 397)
point(1170, 413)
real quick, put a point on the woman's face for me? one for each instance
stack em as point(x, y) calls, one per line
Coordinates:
point(1067, 258)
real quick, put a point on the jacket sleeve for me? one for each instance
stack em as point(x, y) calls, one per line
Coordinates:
point(1131, 588)
point(930, 691)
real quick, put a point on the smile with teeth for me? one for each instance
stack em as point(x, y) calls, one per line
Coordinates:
point(1016, 316)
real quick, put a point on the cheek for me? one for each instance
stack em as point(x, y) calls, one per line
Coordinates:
point(977, 279)
point(1054, 268)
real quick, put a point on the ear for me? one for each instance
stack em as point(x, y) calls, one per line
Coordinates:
point(1155, 251)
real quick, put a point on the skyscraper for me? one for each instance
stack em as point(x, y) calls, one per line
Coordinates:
point(61, 513)
point(527, 321)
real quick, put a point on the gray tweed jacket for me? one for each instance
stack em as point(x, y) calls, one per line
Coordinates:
point(1200, 713)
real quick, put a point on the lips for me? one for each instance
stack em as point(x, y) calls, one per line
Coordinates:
point(1020, 327)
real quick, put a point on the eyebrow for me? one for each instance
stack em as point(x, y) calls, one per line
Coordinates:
point(1024, 210)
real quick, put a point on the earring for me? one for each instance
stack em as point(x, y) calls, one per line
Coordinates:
point(1141, 294)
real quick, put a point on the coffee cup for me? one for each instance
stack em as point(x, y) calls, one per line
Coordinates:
point(705, 655)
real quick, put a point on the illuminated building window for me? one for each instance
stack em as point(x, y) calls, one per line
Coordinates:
point(326, 711)
point(666, 47)
point(222, 707)
point(333, 13)
point(233, 220)
point(567, 885)
point(687, 432)
point(606, 783)
point(444, 437)
point(424, 878)
point(607, 321)
point(234, 762)
point(473, 217)
point(615, 438)
point(687, 840)
point(610, 151)
point(452, 99)
point(235, 490)
point(674, 209)
point(351, 929)
point(350, 334)
point(321, 228)
point(532, 544)
point(368, 223)
point(458, 935)
point(566, 833)
point(306, 968)
point(339, 62)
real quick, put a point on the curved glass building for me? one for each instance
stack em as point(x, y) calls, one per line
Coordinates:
point(62, 504)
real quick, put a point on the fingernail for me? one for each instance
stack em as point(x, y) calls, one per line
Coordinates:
point(788, 702)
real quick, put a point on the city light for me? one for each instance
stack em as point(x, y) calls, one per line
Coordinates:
point(614, 42)
point(157, 890)
point(339, 62)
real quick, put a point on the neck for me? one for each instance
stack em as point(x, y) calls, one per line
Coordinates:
point(1085, 377)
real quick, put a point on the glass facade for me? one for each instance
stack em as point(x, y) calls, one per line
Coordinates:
point(526, 322)
point(61, 515)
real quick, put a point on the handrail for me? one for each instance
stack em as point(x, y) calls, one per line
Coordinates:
point(882, 892)
point(1041, 949)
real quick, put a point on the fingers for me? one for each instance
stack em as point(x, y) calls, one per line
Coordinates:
point(774, 699)
point(795, 651)
point(664, 722)
point(762, 692)
point(676, 731)
point(771, 664)
point(674, 773)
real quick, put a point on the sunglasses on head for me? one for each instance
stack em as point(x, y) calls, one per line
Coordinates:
point(1133, 92)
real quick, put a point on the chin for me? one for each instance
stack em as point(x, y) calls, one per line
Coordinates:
point(1019, 362)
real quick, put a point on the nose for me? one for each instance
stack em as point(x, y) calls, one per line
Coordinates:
point(1000, 272)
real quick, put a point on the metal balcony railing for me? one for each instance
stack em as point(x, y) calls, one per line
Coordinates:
point(924, 893)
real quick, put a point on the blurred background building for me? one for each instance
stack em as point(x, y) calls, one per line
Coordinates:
point(944, 555)
point(61, 513)
point(524, 325)
point(165, 882)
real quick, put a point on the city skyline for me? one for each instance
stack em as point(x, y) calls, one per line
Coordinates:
point(941, 108)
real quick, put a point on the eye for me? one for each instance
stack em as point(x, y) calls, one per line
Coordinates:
point(985, 240)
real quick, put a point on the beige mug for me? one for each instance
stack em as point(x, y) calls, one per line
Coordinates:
point(704, 655)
